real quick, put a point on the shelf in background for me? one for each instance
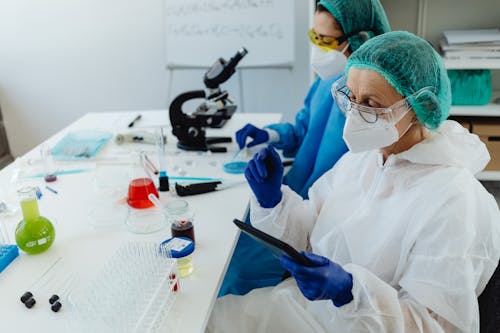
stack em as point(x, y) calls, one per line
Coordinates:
point(488, 110)
point(472, 63)
point(489, 175)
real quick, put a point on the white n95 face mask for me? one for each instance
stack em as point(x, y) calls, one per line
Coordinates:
point(362, 136)
point(328, 64)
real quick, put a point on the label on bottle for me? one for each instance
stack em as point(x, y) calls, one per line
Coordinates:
point(178, 244)
point(40, 241)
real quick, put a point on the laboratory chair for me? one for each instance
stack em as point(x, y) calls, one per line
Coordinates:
point(489, 305)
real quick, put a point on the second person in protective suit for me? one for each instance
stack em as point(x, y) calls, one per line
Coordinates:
point(315, 140)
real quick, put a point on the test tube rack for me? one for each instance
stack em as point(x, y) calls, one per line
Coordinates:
point(7, 254)
point(132, 293)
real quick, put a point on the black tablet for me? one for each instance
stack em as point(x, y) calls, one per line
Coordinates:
point(277, 246)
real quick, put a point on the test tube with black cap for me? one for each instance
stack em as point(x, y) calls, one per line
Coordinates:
point(56, 299)
point(28, 298)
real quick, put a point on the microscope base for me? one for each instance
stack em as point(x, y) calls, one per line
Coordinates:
point(206, 146)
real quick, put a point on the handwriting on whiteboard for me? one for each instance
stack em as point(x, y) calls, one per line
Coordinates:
point(215, 6)
point(271, 31)
point(200, 31)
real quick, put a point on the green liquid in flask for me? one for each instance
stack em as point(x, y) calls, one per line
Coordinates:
point(30, 209)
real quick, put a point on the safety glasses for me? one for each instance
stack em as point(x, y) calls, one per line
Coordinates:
point(342, 96)
point(328, 43)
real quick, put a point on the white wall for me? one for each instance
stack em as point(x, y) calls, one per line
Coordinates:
point(60, 59)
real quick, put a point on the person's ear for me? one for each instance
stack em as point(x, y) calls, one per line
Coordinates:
point(426, 103)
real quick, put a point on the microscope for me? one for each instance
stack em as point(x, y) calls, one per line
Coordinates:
point(213, 112)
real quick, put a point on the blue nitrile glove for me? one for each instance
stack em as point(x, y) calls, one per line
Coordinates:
point(249, 130)
point(326, 280)
point(264, 174)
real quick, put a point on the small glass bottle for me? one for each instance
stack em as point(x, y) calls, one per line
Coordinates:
point(181, 248)
point(49, 174)
point(181, 219)
point(34, 233)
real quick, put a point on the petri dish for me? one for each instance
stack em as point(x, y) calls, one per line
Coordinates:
point(102, 215)
point(111, 177)
point(235, 167)
point(145, 221)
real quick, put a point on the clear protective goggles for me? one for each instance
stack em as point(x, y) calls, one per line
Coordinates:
point(343, 95)
point(327, 43)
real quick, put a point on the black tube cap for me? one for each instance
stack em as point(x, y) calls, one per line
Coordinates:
point(56, 306)
point(30, 303)
point(53, 299)
point(26, 296)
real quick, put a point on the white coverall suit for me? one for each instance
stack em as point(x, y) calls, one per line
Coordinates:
point(419, 234)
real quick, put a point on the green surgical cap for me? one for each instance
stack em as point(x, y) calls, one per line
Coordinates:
point(358, 15)
point(409, 64)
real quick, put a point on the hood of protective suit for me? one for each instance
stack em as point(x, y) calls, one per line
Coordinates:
point(450, 145)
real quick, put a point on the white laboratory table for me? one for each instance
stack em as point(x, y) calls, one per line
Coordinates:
point(84, 248)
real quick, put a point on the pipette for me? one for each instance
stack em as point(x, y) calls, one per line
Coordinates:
point(150, 165)
point(201, 179)
point(59, 172)
point(163, 178)
point(157, 203)
point(239, 152)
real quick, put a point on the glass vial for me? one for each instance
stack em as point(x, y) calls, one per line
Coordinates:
point(181, 219)
point(49, 173)
point(181, 248)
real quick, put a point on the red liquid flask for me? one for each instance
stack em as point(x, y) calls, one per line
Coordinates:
point(138, 191)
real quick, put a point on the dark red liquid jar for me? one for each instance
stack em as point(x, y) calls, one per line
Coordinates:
point(182, 228)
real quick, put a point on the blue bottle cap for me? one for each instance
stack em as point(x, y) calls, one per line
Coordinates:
point(179, 246)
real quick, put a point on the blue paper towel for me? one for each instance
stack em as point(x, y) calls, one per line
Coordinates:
point(80, 144)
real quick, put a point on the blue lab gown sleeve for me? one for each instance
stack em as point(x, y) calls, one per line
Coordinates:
point(316, 138)
point(291, 136)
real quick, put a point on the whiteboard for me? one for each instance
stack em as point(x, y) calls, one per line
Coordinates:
point(198, 32)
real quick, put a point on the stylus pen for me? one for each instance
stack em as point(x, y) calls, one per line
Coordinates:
point(132, 123)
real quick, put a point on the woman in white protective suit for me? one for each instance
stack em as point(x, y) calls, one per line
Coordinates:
point(402, 237)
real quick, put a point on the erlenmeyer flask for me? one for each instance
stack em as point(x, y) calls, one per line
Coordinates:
point(141, 184)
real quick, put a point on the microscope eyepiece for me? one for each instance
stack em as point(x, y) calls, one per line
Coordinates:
point(222, 70)
point(233, 62)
